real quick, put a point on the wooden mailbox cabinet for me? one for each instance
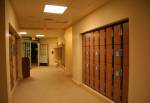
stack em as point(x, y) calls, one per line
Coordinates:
point(105, 58)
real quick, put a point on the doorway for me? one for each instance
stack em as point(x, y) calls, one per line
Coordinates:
point(43, 55)
point(13, 56)
point(34, 54)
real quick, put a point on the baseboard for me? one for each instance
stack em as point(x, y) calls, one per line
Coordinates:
point(93, 92)
point(12, 91)
point(76, 82)
point(96, 94)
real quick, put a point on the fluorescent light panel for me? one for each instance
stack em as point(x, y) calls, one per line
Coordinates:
point(39, 35)
point(22, 33)
point(55, 9)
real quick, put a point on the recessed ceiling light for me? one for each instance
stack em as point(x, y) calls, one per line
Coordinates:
point(22, 33)
point(55, 9)
point(39, 35)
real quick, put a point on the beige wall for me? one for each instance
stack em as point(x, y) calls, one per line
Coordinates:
point(12, 20)
point(61, 41)
point(7, 16)
point(68, 51)
point(3, 71)
point(139, 23)
point(52, 43)
point(66, 39)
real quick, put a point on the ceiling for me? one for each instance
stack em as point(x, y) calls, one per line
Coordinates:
point(31, 17)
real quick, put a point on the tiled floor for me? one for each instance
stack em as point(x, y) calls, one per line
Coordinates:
point(49, 85)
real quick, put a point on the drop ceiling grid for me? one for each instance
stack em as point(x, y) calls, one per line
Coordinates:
point(30, 12)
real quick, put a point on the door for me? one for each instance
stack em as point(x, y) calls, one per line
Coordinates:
point(34, 53)
point(117, 64)
point(125, 62)
point(43, 55)
point(109, 63)
point(91, 60)
point(13, 59)
point(102, 61)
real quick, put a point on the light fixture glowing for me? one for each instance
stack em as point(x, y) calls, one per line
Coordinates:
point(22, 33)
point(39, 35)
point(55, 9)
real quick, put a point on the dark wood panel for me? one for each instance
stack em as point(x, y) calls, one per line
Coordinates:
point(126, 62)
point(117, 54)
point(91, 39)
point(109, 54)
point(83, 40)
point(117, 83)
point(109, 72)
point(126, 33)
point(87, 52)
point(96, 38)
point(102, 53)
point(91, 62)
point(96, 54)
point(109, 32)
point(97, 66)
point(102, 78)
point(87, 74)
point(97, 77)
point(87, 65)
point(91, 53)
point(91, 74)
point(102, 37)
point(126, 43)
point(117, 33)
point(126, 54)
point(125, 84)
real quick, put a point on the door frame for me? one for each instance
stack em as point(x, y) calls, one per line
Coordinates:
point(12, 32)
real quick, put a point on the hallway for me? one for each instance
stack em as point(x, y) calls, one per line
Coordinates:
point(49, 85)
point(101, 44)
